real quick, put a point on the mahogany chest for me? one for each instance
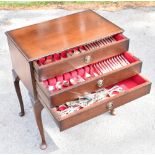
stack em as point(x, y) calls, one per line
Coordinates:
point(77, 67)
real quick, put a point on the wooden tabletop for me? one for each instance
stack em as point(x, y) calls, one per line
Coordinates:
point(56, 35)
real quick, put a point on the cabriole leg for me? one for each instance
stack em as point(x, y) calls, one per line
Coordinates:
point(18, 92)
point(38, 107)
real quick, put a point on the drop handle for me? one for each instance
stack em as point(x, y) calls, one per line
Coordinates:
point(100, 83)
point(87, 59)
point(110, 105)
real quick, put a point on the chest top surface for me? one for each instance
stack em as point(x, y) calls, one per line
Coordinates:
point(56, 35)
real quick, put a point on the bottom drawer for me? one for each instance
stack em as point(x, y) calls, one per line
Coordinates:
point(114, 96)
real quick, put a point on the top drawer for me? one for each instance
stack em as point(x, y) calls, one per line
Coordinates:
point(80, 56)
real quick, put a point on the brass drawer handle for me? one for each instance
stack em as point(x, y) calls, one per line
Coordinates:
point(100, 83)
point(87, 59)
point(110, 105)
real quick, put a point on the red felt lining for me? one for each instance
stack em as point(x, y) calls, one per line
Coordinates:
point(138, 79)
point(132, 82)
point(127, 55)
point(119, 37)
point(130, 57)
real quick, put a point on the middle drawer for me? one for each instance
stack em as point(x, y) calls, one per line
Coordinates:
point(125, 67)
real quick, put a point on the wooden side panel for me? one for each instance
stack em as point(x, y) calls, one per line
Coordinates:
point(101, 107)
point(21, 66)
point(75, 62)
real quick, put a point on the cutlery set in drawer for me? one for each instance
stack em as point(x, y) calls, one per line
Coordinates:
point(77, 67)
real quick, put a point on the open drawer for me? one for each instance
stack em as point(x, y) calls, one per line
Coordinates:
point(100, 76)
point(133, 88)
point(80, 56)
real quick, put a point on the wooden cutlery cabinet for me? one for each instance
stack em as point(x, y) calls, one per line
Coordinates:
point(77, 67)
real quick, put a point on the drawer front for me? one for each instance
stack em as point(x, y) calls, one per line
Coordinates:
point(101, 107)
point(75, 62)
point(91, 85)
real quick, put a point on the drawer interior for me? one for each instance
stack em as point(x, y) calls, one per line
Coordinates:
point(89, 72)
point(79, 49)
point(73, 107)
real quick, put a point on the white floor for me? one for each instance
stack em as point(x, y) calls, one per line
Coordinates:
point(131, 131)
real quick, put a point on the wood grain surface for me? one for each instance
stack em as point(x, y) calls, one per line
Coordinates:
point(52, 36)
